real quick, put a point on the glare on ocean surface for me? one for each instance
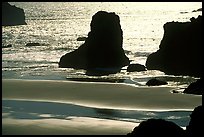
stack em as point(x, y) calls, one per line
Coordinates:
point(57, 26)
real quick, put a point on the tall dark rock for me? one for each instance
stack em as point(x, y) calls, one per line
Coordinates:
point(102, 48)
point(12, 15)
point(180, 51)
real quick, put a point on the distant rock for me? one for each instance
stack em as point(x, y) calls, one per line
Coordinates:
point(200, 9)
point(7, 46)
point(136, 67)
point(195, 87)
point(32, 44)
point(81, 38)
point(181, 49)
point(183, 12)
point(12, 15)
point(157, 128)
point(103, 47)
point(155, 82)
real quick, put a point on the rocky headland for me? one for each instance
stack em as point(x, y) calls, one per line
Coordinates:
point(180, 51)
point(12, 15)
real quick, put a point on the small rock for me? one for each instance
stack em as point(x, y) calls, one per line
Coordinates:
point(155, 82)
point(136, 67)
point(81, 38)
point(7, 46)
point(32, 44)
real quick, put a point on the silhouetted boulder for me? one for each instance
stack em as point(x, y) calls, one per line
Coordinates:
point(183, 12)
point(7, 46)
point(136, 67)
point(32, 44)
point(180, 51)
point(195, 128)
point(12, 15)
point(155, 82)
point(81, 38)
point(200, 9)
point(157, 128)
point(102, 48)
point(195, 87)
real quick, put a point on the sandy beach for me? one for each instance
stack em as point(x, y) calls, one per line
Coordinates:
point(22, 96)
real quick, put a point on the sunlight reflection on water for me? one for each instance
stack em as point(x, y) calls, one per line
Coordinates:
point(57, 26)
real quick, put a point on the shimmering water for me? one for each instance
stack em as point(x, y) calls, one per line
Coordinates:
point(57, 25)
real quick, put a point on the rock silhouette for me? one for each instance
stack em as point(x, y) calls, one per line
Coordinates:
point(136, 67)
point(102, 47)
point(155, 82)
point(195, 128)
point(32, 44)
point(163, 128)
point(81, 38)
point(200, 9)
point(180, 51)
point(12, 15)
point(157, 128)
point(195, 87)
point(7, 46)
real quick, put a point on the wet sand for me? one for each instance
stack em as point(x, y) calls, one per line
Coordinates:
point(91, 94)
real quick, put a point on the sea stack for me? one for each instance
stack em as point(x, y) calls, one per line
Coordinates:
point(180, 51)
point(102, 48)
point(12, 15)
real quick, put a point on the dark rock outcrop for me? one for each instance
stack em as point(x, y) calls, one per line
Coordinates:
point(12, 15)
point(195, 128)
point(32, 44)
point(155, 82)
point(195, 87)
point(200, 9)
point(163, 128)
point(35, 44)
point(136, 67)
point(102, 48)
point(81, 38)
point(157, 128)
point(180, 51)
point(7, 46)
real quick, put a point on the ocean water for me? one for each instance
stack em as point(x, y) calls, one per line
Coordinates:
point(57, 25)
